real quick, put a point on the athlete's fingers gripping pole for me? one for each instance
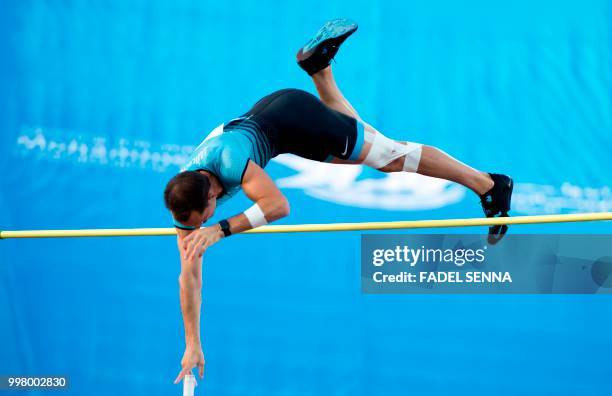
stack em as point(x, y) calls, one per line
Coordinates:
point(186, 372)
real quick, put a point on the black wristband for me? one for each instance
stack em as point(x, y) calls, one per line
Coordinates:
point(225, 227)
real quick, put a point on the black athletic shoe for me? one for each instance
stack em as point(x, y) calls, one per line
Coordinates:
point(496, 203)
point(321, 49)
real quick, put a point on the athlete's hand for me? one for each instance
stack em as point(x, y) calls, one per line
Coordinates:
point(193, 357)
point(196, 243)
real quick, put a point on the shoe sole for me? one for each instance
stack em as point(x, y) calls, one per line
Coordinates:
point(335, 32)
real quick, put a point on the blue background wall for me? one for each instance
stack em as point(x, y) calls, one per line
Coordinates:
point(101, 100)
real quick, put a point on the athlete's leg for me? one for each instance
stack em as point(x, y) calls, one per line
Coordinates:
point(379, 152)
point(315, 59)
point(330, 94)
point(389, 156)
point(436, 163)
point(433, 162)
point(332, 97)
point(495, 190)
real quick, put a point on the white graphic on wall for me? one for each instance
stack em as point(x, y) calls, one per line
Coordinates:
point(340, 184)
point(79, 148)
point(536, 199)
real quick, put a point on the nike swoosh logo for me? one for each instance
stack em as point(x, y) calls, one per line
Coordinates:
point(345, 147)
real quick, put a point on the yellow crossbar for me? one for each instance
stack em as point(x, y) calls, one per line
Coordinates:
point(371, 226)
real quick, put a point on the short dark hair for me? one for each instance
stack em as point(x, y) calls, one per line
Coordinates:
point(186, 192)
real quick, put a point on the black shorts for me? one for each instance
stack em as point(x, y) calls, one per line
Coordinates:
point(297, 122)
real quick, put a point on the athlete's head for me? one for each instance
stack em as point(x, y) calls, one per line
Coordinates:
point(188, 197)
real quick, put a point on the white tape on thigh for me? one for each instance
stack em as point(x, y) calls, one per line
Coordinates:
point(413, 156)
point(255, 216)
point(384, 150)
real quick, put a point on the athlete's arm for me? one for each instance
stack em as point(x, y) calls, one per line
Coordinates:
point(190, 283)
point(258, 186)
point(260, 189)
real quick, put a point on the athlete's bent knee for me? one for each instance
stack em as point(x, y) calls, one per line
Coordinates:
point(384, 151)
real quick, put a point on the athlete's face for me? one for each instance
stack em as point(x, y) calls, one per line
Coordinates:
point(197, 219)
